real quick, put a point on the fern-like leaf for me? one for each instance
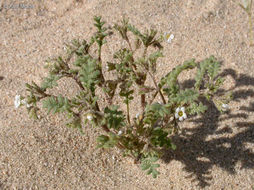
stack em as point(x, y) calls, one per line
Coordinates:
point(56, 104)
point(90, 74)
point(51, 81)
point(186, 96)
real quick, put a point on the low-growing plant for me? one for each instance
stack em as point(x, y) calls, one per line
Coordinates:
point(144, 136)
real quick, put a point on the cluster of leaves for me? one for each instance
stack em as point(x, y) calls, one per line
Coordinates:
point(142, 137)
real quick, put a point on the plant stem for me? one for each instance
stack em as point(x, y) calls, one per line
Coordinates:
point(99, 56)
point(128, 41)
point(143, 101)
point(250, 30)
point(105, 128)
point(143, 96)
point(154, 96)
point(157, 87)
point(128, 113)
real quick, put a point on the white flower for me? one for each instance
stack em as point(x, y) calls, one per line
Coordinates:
point(28, 105)
point(137, 115)
point(107, 67)
point(89, 117)
point(168, 37)
point(119, 133)
point(17, 101)
point(49, 64)
point(225, 107)
point(180, 113)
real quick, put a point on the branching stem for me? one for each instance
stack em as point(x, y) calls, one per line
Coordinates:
point(128, 41)
point(157, 87)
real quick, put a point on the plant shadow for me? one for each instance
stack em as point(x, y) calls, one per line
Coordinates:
point(208, 144)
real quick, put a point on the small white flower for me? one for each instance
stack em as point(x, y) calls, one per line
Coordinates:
point(17, 101)
point(119, 133)
point(107, 67)
point(89, 117)
point(168, 37)
point(49, 64)
point(137, 115)
point(180, 113)
point(28, 105)
point(225, 107)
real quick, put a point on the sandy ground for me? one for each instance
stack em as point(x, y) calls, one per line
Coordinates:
point(214, 152)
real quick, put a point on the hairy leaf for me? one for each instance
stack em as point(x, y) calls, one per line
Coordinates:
point(195, 108)
point(148, 164)
point(51, 81)
point(171, 78)
point(186, 96)
point(113, 118)
point(56, 104)
point(90, 74)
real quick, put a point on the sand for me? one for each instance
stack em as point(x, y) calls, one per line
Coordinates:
point(214, 151)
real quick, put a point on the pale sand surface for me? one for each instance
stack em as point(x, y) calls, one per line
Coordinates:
point(215, 151)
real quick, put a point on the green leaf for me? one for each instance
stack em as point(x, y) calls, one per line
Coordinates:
point(145, 165)
point(110, 87)
point(155, 111)
point(195, 108)
point(155, 173)
point(171, 78)
point(209, 67)
point(173, 146)
point(149, 165)
point(114, 118)
point(148, 38)
point(159, 138)
point(123, 28)
point(186, 96)
point(152, 60)
point(90, 74)
point(135, 31)
point(106, 141)
point(100, 34)
point(51, 81)
point(81, 60)
point(111, 66)
point(56, 104)
point(76, 124)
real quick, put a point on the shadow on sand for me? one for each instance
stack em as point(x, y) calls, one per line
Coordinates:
point(222, 151)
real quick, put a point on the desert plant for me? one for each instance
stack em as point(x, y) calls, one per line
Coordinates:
point(146, 135)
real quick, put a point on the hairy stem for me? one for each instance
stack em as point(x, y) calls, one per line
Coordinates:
point(105, 128)
point(143, 101)
point(157, 87)
point(154, 96)
point(128, 113)
point(143, 96)
point(99, 56)
point(250, 30)
point(128, 41)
